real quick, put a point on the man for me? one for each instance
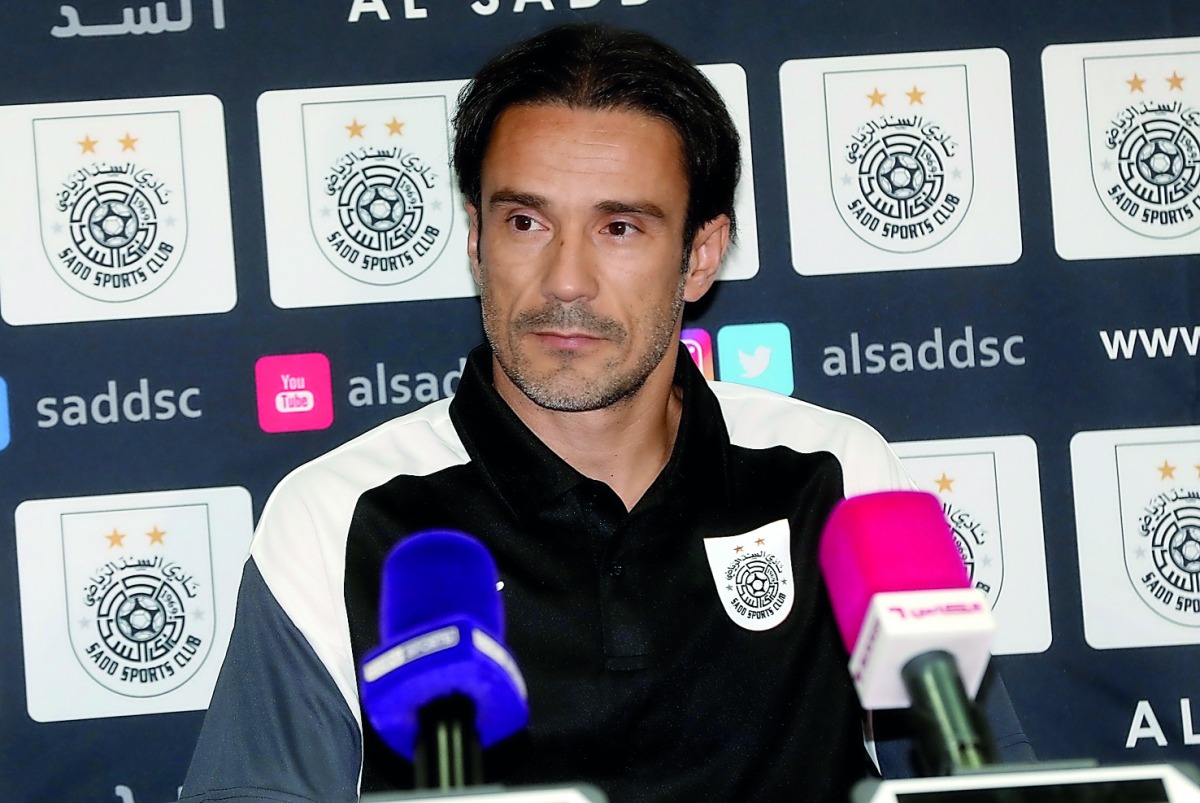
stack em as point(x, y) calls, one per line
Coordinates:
point(619, 493)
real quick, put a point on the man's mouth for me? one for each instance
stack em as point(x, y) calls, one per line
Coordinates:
point(566, 340)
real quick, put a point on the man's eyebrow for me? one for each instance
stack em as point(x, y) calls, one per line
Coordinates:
point(501, 198)
point(636, 208)
point(514, 198)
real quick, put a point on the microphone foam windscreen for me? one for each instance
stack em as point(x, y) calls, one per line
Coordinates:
point(889, 541)
point(438, 574)
point(441, 620)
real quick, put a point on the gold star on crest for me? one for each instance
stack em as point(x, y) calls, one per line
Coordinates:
point(1166, 470)
point(1175, 80)
point(1135, 84)
point(87, 144)
point(127, 143)
point(156, 535)
point(115, 538)
point(395, 127)
point(944, 483)
point(876, 97)
point(915, 96)
point(738, 548)
point(355, 128)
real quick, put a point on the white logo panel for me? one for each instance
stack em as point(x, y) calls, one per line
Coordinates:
point(127, 600)
point(753, 575)
point(118, 209)
point(1137, 513)
point(360, 203)
point(1123, 133)
point(911, 165)
point(991, 496)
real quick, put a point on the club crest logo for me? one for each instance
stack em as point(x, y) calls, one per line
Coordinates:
point(900, 154)
point(380, 195)
point(112, 201)
point(139, 596)
point(1159, 493)
point(1144, 136)
point(966, 485)
point(1162, 555)
point(979, 548)
point(753, 575)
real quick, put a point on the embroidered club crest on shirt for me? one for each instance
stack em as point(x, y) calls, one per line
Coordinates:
point(753, 574)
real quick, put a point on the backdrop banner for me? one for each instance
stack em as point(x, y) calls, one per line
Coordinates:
point(231, 239)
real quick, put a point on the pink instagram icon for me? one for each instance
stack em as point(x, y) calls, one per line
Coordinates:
point(295, 392)
point(699, 345)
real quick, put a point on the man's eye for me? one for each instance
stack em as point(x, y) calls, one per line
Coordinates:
point(522, 222)
point(620, 228)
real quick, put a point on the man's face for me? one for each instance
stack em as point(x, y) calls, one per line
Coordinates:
point(578, 249)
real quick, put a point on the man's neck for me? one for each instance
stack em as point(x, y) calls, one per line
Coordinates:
point(625, 445)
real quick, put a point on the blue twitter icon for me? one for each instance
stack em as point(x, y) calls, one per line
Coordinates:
point(756, 354)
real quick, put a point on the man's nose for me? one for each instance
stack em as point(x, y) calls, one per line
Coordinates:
point(570, 269)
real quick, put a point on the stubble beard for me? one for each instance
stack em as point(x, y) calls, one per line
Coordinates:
point(563, 388)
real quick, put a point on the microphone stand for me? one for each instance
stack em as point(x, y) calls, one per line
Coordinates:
point(952, 733)
point(447, 754)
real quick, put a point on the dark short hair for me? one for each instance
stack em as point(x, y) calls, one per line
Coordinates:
point(591, 66)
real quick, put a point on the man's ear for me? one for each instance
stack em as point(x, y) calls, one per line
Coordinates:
point(705, 257)
point(473, 241)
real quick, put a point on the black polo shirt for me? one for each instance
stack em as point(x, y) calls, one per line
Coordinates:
point(645, 677)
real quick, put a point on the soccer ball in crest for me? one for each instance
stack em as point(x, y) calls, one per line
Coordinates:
point(1185, 549)
point(380, 208)
point(113, 224)
point(758, 583)
point(1159, 162)
point(140, 617)
point(900, 176)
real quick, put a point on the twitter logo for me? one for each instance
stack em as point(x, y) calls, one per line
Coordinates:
point(756, 354)
point(756, 364)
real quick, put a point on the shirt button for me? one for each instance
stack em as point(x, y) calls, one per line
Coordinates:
point(616, 569)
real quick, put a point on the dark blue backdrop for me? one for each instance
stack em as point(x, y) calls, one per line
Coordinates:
point(1075, 700)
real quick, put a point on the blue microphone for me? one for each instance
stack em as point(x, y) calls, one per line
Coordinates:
point(441, 684)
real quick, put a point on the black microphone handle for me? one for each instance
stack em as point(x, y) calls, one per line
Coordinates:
point(952, 733)
point(447, 755)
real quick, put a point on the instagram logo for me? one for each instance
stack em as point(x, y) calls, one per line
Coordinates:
point(295, 392)
point(699, 345)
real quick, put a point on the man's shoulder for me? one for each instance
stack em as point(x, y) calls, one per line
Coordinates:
point(417, 443)
point(761, 419)
point(300, 540)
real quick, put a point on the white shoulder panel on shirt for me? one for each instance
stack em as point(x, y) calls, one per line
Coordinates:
point(760, 419)
point(299, 545)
